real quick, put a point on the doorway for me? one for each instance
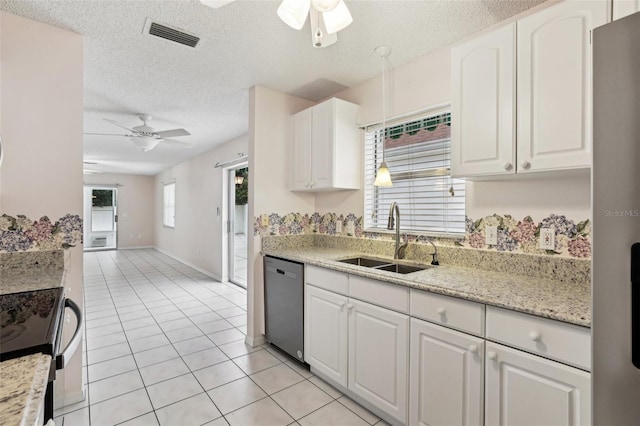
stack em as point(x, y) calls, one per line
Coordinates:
point(238, 223)
point(101, 218)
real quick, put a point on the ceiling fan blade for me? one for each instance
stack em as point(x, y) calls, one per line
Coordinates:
point(108, 134)
point(172, 133)
point(115, 123)
point(176, 143)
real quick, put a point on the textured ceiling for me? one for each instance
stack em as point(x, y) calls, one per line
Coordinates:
point(243, 44)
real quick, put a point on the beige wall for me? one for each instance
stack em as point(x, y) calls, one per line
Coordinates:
point(198, 238)
point(41, 118)
point(269, 165)
point(136, 206)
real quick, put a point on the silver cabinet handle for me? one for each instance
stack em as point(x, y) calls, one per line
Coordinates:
point(61, 359)
point(525, 165)
point(508, 166)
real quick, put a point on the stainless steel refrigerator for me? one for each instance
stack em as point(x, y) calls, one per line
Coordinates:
point(616, 223)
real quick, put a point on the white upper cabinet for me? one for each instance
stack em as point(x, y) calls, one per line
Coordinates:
point(554, 86)
point(301, 149)
point(325, 147)
point(483, 107)
point(548, 95)
point(622, 8)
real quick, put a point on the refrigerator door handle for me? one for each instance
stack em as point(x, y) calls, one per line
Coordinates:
point(635, 304)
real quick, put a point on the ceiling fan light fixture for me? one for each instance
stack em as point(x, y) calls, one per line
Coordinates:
point(215, 3)
point(325, 5)
point(294, 12)
point(145, 144)
point(337, 18)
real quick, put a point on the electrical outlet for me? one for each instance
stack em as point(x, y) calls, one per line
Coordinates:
point(351, 229)
point(339, 227)
point(265, 220)
point(491, 235)
point(548, 238)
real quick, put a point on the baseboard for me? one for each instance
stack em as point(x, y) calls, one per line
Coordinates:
point(207, 273)
point(136, 248)
point(254, 341)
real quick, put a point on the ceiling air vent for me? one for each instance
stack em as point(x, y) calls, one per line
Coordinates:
point(171, 34)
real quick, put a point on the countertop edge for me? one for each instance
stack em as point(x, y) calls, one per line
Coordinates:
point(22, 400)
point(393, 278)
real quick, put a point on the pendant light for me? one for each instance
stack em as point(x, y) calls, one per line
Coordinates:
point(383, 177)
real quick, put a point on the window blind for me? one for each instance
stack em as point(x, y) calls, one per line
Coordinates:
point(169, 205)
point(418, 154)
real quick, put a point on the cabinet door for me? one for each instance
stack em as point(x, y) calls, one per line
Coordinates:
point(378, 357)
point(323, 145)
point(446, 384)
point(554, 86)
point(301, 125)
point(622, 8)
point(524, 389)
point(325, 333)
point(483, 101)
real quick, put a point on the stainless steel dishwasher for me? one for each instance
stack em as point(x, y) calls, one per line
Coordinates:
point(284, 305)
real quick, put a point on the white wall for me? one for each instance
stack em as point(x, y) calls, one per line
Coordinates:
point(41, 126)
point(269, 165)
point(198, 238)
point(136, 204)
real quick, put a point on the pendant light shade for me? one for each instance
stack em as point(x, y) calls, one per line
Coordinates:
point(294, 12)
point(338, 18)
point(383, 177)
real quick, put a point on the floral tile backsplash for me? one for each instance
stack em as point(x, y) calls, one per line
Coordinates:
point(23, 234)
point(572, 238)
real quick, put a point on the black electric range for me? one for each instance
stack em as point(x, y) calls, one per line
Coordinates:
point(32, 322)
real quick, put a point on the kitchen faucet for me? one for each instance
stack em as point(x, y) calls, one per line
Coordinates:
point(400, 249)
point(435, 254)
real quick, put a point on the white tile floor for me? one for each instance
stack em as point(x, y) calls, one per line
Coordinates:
point(165, 346)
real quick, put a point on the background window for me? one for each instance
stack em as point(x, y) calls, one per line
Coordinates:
point(418, 154)
point(169, 205)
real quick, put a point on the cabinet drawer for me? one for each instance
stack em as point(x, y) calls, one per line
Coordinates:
point(564, 342)
point(390, 296)
point(335, 281)
point(448, 311)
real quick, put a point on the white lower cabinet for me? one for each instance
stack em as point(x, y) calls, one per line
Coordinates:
point(524, 389)
point(417, 372)
point(326, 333)
point(379, 356)
point(446, 384)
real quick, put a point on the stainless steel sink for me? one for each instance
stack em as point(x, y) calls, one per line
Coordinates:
point(402, 269)
point(365, 261)
point(385, 265)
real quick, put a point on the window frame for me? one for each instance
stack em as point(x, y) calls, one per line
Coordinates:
point(372, 158)
point(169, 207)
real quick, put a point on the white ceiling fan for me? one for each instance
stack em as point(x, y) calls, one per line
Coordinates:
point(326, 17)
point(145, 137)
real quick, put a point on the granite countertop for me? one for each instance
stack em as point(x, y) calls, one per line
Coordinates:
point(567, 302)
point(29, 271)
point(24, 382)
